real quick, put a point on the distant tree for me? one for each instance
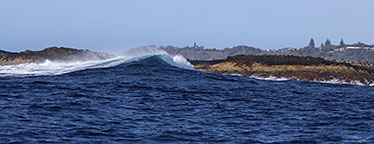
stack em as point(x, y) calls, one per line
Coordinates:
point(328, 43)
point(342, 44)
point(361, 44)
point(311, 43)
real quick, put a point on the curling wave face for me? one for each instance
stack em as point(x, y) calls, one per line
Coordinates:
point(57, 68)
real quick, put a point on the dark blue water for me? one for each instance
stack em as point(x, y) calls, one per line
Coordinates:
point(149, 101)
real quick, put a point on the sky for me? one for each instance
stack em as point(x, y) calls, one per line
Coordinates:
point(115, 25)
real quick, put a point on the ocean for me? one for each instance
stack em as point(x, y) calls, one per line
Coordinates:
point(161, 99)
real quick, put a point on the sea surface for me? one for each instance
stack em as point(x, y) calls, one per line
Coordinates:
point(149, 100)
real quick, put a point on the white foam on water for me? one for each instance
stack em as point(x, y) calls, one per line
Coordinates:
point(272, 78)
point(332, 81)
point(339, 81)
point(236, 74)
point(178, 61)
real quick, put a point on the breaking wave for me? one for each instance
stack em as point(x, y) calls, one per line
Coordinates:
point(58, 68)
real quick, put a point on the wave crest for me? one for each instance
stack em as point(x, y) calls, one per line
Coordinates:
point(58, 68)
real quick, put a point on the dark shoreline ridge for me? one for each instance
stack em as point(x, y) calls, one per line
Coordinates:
point(290, 67)
point(59, 54)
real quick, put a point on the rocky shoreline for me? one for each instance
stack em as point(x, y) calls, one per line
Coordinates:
point(58, 54)
point(289, 67)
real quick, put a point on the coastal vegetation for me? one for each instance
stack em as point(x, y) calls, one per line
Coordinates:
point(358, 52)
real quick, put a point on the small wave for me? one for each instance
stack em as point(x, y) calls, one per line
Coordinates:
point(272, 78)
point(339, 81)
point(58, 68)
point(236, 74)
point(332, 81)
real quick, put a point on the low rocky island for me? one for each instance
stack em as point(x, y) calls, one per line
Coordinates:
point(59, 54)
point(289, 67)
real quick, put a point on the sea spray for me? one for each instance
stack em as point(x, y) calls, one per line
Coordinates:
point(143, 51)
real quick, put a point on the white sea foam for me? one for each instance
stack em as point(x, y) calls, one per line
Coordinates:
point(236, 74)
point(332, 81)
point(339, 81)
point(57, 68)
point(178, 61)
point(272, 78)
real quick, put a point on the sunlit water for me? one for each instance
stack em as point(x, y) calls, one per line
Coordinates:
point(151, 101)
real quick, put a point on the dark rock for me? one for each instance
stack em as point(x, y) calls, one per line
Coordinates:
point(290, 67)
point(59, 54)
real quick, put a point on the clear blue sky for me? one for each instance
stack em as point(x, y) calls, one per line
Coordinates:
point(114, 25)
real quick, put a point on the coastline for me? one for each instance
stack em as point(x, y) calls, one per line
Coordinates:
point(289, 68)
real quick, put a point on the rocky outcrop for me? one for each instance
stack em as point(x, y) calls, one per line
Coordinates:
point(59, 54)
point(288, 67)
